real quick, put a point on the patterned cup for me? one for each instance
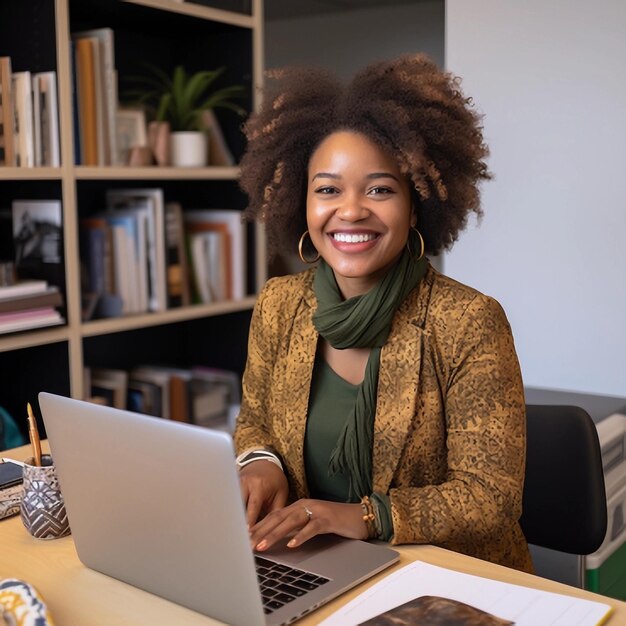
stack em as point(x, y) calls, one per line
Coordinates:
point(42, 509)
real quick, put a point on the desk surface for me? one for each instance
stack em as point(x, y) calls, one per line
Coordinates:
point(78, 595)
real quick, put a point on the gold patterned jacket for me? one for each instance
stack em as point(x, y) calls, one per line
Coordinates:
point(450, 428)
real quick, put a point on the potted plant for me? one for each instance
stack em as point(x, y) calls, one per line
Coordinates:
point(180, 101)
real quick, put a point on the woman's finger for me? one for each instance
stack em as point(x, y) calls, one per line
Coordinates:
point(312, 528)
point(280, 524)
point(253, 509)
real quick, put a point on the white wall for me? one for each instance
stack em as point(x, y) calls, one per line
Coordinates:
point(550, 77)
point(347, 41)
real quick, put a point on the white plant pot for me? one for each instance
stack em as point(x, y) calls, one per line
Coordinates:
point(189, 149)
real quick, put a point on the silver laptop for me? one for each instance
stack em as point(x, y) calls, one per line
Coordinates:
point(157, 504)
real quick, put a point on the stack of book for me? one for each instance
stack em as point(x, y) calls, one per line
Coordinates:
point(94, 97)
point(204, 396)
point(33, 302)
point(216, 241)
point(29, 119)
point(133, 254)
point(29, 304)
point(143, 254)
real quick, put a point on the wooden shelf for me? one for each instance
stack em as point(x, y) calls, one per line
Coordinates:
point(196, 10)
point(30, 173)
point(30, 338)
point(84, 172)
point(132, 322)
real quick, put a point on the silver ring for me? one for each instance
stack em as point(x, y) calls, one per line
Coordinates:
point(309, 514)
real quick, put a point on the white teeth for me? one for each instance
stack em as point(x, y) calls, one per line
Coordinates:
point(345, 238)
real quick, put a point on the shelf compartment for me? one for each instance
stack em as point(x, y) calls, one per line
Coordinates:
point(133, 322)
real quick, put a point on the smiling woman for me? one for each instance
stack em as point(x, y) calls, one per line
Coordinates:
point(381, 399)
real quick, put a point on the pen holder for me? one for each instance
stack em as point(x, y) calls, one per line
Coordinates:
point(42, 508)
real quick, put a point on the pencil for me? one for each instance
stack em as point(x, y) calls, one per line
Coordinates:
point(33, 435)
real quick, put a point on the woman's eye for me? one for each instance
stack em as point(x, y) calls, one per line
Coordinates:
point(326, 190)
point(380, 190)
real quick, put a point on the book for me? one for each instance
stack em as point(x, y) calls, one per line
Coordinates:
point(435, 610)
point(23, 116)
point(23, 288)
point(38, 240)
point(161, 379)
point(97, 254)
point(207, 259)
point(78, 159)
point(103, 39)
point(110, 383)
point(29, 319)
point(92, 235)
point(227, 384)
point(218, 251)
point(209, 404)
point(7, 139)
point(144, 397)
point(46, 119)
point(51, 297)
point(151, 201)
point(175, 257)
point(218, 376)
point(135, 223)
point(180, 396)
point(101, 130)
point(37, 105)
point(233, 219)
point(86, 98)
point(123, 253)
point(100, 297)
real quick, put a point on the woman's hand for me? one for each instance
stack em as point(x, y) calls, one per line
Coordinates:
point(264, 488)
point(308, 518)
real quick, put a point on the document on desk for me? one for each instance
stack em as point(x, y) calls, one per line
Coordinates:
point(521, 605)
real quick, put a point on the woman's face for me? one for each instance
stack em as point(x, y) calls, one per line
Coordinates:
point(358, 209)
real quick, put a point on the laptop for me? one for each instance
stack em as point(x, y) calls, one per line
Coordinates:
point(156, 503)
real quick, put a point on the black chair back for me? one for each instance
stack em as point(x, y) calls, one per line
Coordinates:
point(564, 505)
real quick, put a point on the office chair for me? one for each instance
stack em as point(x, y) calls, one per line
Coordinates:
point(564, 503)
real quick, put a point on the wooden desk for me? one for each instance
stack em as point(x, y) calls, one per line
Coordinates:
point(77, 595)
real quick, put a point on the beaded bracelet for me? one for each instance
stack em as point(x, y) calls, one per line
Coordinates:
point(369, 517)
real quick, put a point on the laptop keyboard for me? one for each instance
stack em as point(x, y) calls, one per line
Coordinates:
point(281, 584)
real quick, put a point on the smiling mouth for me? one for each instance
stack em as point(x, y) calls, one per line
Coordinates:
point(356, 238)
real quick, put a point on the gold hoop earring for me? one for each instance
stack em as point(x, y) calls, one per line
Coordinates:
point(300, 244)
point(422, 247)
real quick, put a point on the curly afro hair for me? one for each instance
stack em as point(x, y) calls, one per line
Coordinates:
point(407, 106)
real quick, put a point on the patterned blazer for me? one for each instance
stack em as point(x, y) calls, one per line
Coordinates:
point(449, 433)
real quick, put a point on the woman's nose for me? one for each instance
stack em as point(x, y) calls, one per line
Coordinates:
point(352, 208)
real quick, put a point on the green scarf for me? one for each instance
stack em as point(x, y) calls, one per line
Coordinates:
point(361, 322)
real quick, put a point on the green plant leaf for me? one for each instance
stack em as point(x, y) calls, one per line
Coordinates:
point(181, 98)
point(164, 105)
point(222, 97)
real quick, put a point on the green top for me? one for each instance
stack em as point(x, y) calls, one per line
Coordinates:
point(330, 402)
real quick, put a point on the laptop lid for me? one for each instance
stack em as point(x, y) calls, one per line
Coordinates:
point(157, 504)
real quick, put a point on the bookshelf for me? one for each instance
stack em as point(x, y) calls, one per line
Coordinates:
point(204, 34)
